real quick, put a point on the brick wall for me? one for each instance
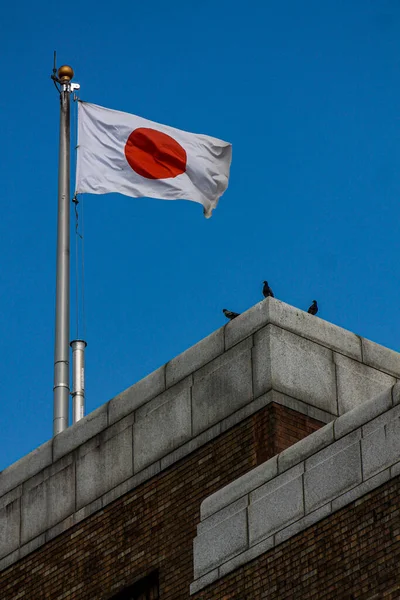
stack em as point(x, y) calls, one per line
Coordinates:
point(354, 554)
point(154, 525)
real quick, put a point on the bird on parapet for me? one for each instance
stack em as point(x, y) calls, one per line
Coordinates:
point(267, 290)
point(230, 314)
point(313, 309)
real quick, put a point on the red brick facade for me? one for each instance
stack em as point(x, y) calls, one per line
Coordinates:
point(354, 554)
point(153, 526)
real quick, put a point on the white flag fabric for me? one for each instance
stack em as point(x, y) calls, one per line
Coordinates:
point(120, 152)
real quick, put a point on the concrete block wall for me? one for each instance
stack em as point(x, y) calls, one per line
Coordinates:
point(312, 479)
point(271, 353)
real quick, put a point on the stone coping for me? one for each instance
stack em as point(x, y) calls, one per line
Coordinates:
point(315, 477)
point(269, 311)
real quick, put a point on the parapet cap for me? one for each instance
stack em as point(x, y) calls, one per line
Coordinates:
point(267, 312)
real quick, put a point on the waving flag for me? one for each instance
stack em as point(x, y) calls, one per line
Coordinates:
point(120, 152)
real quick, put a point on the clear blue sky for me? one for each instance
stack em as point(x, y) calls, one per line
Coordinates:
point(308, 94)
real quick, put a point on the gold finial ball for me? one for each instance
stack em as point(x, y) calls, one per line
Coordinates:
point(65, 73)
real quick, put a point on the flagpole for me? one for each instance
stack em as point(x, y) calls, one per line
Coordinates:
point(61, 347)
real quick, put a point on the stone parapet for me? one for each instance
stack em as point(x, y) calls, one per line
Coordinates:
point(315, 477)
point(271, 353)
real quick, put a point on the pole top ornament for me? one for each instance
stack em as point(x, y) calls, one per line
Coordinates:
point(65, 74)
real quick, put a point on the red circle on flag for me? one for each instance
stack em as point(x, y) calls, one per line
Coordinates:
point(154, 155)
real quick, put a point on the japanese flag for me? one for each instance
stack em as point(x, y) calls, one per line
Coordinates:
point(120, 152)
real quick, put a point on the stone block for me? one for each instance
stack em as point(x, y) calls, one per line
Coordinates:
point(246, 556)
point(60, 495)
point(247, 323)
point(195, 357)
point(239, 487)
point(9, 560)
point(381, 420)
point(202, 582)
point(102, 465)
point(10, 517)
point(307, 521)
point(333, 477)
point(116, 428)
point(329, 451)
point(359, 491)
point(32, 545)
point(320, 415)
point(60, 527)
point(136, 395)
point(305, 447)
point(294, 366)
point(222, 387)
point(47, 502)
point(222, 514)
point(262, 361)
point(162, 430)
point(168, 396)
point(276, 510)
point(289, 402)
point(360, 415)
point(381, 358)
point(358, 383)
point(80, 432)
point(276, 483)
point(381, 448)
point(395, 470)
point(10, 497)
point(217, 545)
point(225, 358)
point(26, 467)
point(85, 512)
point(396, 393)
point(313, 328)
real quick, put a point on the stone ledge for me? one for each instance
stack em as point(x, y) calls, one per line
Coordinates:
point(280, 505)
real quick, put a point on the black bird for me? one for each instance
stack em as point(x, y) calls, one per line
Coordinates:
point(313, 308)
point(230, 314)
point(267, 290)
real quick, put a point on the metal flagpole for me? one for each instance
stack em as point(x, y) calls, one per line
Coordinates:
point(61, 346)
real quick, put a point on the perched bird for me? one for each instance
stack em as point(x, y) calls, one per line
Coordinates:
point(313, 308)
point(267, 290)
point(230, 314)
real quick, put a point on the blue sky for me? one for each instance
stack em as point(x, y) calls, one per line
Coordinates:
point(308, 94)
